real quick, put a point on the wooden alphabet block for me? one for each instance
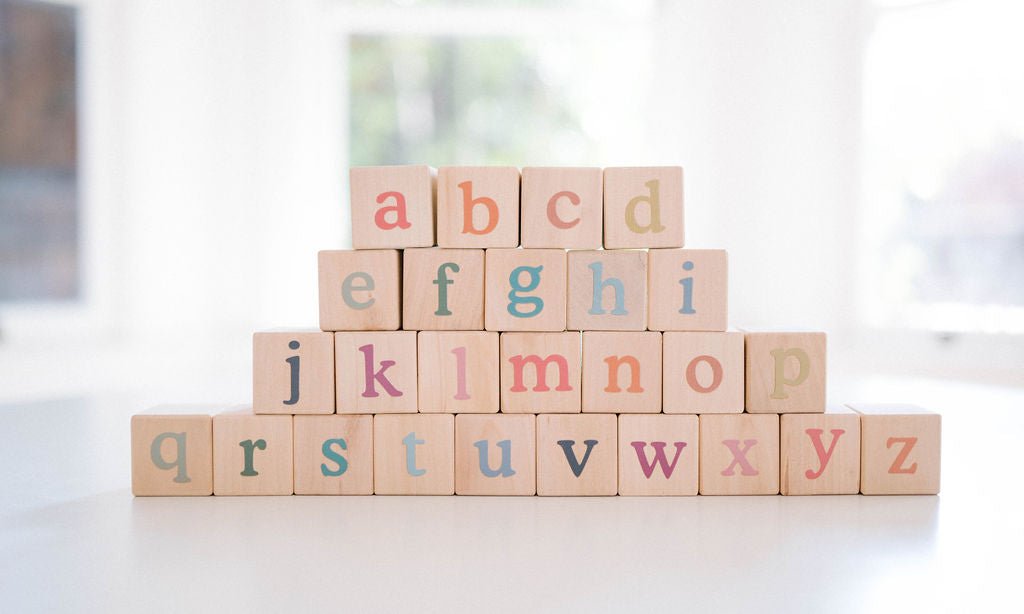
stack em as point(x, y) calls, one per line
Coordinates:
point(900, 451)
point(739, 454)
point(443, 289)
point(458, 372)
point(478, 206)
point(252, 454)
point(540, 372)
point(607, 290)
point(562, 207)
point(577, 455)
point(703, 373)
point(392, 206)
point(525, 290)
point(785, 372)
point(375, 372)
point(359, 290)
point(820, 453)
point(172, 453)
point(688, 289)
point(658, 455)
point(622, 372)
point(293, 373)
point(333, 455)
point(643, 207)
point(495, 455)
point(414, 455)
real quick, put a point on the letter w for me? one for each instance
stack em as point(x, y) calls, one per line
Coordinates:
point(659, 457)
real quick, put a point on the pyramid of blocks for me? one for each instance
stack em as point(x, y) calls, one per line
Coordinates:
point(534, 332)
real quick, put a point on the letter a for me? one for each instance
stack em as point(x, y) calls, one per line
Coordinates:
point(401, 217)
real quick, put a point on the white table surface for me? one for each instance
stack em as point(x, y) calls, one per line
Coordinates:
point(73, 538)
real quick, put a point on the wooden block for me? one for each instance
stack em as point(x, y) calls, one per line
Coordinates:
point(643, 207)
point(900, 451)
point(293, 373)
point(333, 455)
point(525, 289)
point(820, 453)
point(658, 455)
point(458, 371)
point(392, 206)
point(577, 455)
point(252, 454)
point(359, 290)
point(540, 372)
point(688, 289)
point(607, 290)
point(495, 455)
point(172, 452)
point(703, 373)
point(478, 206)
point(562, 207)
point(443, 289)
point(785, 372)
point(375, 372)
point(414, 455)
point(622, 372)
point(739, 454)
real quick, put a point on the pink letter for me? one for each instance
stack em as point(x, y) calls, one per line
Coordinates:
point(556, 221)
point(541, 368)
point(819, 449)
point(401, 221)
point(739, 456)
point(659, 457)
point(369, 376)
point(460, 375)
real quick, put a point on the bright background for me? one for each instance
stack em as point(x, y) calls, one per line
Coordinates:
point(168, 170)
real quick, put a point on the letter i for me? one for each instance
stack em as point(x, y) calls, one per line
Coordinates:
point(293, 362)
point(460, 375)
point(687, 283)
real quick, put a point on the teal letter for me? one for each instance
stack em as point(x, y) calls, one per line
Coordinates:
point(506, 459)
point(179, 457)
point(334, 456)
point(442, 282)
point(248, 445)
point(348, 287)
point(577, 467)
point(687, 284)
point(515, 300)
point(600, 285)
point(411, 442)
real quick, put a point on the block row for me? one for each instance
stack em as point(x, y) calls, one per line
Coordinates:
point(871, 450)
point(478, 207)
point(523, 289)
point(568, 372)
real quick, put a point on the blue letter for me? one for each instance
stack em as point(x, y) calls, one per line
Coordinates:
point(514, 299)
point(687, 283)
point(411, 442)
point(599, 286)
point(506, 459)
point(334, 456)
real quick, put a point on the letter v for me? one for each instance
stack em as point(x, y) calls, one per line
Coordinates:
point(570, 455)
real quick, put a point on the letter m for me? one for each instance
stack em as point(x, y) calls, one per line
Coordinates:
point(540, 366)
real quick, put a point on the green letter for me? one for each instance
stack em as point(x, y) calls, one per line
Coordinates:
point(179, 458)
point(248, 445)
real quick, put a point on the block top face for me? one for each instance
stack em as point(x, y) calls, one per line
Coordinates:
point(643, 207)
point(392, 206)
point(562, 207)
point(359, 289)
point(886, 409)
point(478, 206)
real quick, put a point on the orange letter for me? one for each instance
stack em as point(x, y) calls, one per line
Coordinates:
point(908, 445)
point(541, 367)
point(716, 373)
point(556, 221)
point(401, 220)
point(468, 203)
point(614, 362)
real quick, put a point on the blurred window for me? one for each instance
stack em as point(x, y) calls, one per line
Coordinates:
point(39, 214)
point(943, 246)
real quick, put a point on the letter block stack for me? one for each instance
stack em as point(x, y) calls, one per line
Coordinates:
point(544, 331)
